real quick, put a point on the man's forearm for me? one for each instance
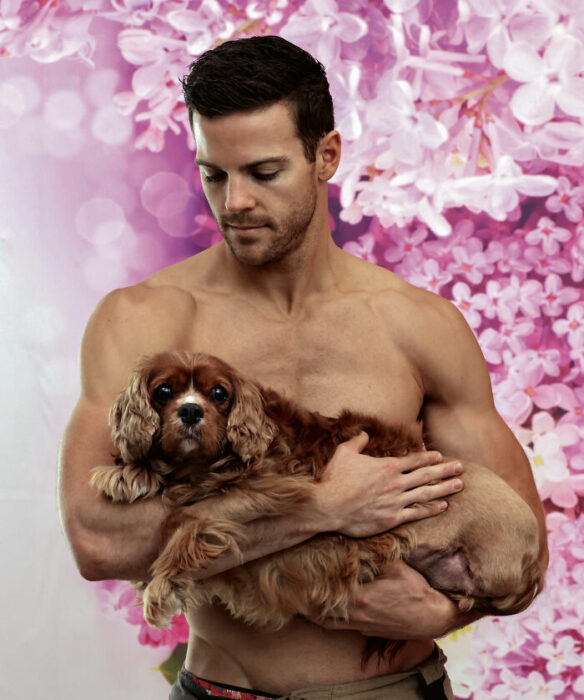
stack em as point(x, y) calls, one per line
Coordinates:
point(115, 541)
point(263, 537)
point(121, 541)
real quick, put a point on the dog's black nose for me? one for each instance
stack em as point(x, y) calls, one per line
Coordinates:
point(190, 413)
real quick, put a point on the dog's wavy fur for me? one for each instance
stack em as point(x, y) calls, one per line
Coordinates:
point(258, 455)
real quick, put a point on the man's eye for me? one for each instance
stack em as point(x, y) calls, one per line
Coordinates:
point(218, 394)
point(163, 393)
point(217, 177)
point(266, 176)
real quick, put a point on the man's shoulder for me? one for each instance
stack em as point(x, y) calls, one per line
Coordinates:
point(150, 316)
point(428, 328)
point(398, 298)
point(170, 292)
point(141, 304)
point(399, 302)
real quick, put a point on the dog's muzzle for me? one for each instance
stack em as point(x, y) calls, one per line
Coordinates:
point(190, 413)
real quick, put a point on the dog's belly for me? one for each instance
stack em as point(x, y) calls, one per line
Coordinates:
point(484, 546)
point(482, 552)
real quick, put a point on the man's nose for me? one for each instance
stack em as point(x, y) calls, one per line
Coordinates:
point(238, 196)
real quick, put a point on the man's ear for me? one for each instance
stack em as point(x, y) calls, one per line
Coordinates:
point(328, 155)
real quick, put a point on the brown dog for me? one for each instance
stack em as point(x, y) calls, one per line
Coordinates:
point(193, 428)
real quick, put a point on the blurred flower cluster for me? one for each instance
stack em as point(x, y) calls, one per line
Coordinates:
point(441, 104)
point(540, 652)
point(463, 133)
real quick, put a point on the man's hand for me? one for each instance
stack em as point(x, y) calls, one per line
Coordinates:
point(362, 496)
point(401, 604)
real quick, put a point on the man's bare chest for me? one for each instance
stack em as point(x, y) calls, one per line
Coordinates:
point(328, 360)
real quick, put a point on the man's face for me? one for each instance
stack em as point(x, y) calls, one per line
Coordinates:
point(260, 187)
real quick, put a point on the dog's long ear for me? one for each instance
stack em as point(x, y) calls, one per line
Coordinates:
point(249, 430)
point(133, 420)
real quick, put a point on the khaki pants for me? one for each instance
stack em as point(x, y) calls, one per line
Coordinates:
point(428, 681)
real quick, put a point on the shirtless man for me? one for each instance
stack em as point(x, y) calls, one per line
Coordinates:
point(279, 301)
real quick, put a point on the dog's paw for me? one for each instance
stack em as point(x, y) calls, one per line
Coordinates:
point(125, 484)
point(110, 481)
point(161, 601)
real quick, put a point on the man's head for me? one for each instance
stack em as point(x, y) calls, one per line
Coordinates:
point(254, 73)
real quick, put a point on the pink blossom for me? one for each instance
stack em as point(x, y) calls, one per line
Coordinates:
point(498, 301)
point(430, 277)
point(524, 388)
point(492, 345)
point(572, 325)
point(547, 359)
point(462, 232)
point(543, 263)
point(271, 11)
point(509, 687)
point(362, 249)
point(577, 257)
point(548, 235)
point(564, 490)
point(567, 200)
point(470, 262)
point(152, 139)
point(529, 293)
point(543, 424)
point(142, 46)
point(203, 26)
point(497, 193)
point(488, 22)
point(410, 131)
point(553, 79)
point(548, 460)
point(547, 625)
point(120, 598)
point(321, 28)
point(555, 296)
point(515, 333)
point(510, 256)
point(404, 243)
point(559, 655)
point(536, 685)
point(134, 13)
point(462, 297)
point(44, 34)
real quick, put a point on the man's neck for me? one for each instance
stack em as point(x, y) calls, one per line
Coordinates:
point(283, 287)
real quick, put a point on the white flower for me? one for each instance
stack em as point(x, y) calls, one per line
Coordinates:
point(552, 79)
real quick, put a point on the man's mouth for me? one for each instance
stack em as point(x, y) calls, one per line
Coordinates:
point(247, 226)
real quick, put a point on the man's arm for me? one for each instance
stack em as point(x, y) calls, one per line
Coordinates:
point(459, 419)
point(112, 540)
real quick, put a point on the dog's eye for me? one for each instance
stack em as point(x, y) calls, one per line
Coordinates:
point(218, 394)
point(163, 393)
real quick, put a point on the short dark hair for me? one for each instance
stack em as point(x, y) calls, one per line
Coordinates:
point(248, 74)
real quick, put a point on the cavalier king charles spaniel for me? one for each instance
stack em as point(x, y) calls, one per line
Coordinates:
point(192, 428)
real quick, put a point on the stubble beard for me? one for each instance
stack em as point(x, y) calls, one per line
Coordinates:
point(287, 237)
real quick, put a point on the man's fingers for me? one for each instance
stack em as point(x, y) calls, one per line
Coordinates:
point(435, 473)
point(334, 623)
point(432, 492)
point(358, 442)
point(417, 460)
point(419, 511)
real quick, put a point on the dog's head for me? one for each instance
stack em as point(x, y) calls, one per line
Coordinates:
point(189, 405)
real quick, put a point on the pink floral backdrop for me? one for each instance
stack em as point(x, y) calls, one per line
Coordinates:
point(463, 132)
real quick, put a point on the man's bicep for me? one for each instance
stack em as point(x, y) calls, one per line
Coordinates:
point(108, 350)
point(460, 418)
